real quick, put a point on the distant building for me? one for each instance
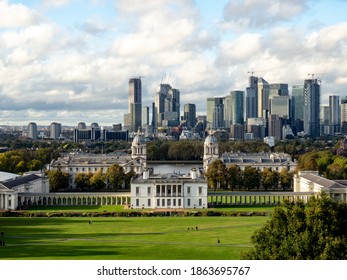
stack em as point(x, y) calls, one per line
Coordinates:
point(32, 131)
point(311, 108)
point(55, 130)
point(190, 115)
point(133, 119)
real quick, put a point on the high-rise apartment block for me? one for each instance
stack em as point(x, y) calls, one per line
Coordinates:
point(32, 131)
point(55, 130)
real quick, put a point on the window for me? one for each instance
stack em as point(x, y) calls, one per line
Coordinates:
point(188, 202)
point(188, 190)
point(200, 190)
point(137, 202)
point(200, 202)
point(163, 202)
point(174, 202)
point(169, 202)
point(82, 168)
point(158, 190)
point(148, 190)
point(137, 190)
point(158, 202)
point(76, 169)
point(179, 202)
point(149, 202)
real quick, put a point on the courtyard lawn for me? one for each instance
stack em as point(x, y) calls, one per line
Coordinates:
point(158, 238)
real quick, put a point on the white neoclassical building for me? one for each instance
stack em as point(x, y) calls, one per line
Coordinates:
point(85, 163)
point(169, 191)
point(272, 161)
point(311, 181)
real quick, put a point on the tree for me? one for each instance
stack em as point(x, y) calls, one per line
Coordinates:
point(115, 176)
point(58, 180)
point(217, 174)
point(269, 179)
point(286, 179)
point(251, 178)
point(235, 177)
point(82, 180)
point(315, 231)
point(97, 181)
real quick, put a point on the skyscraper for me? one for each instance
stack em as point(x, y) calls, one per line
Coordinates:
point(233, 108)
point(263, 97)
point(133, 120)
point(311, 107)
point(334, 114)
point(190, 115)
point(344, 116)
point(297, 107)
point(252, 98)
point(215, 112)
point(167, 106)
point(145, 115)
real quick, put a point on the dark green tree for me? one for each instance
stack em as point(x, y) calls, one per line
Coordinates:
point(286, 179)
point(235, 177)
point(315, 231)
point(269, 179)
point(97, 181)
point(251, 178)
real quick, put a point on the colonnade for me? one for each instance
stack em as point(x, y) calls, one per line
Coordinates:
point(256, 198)
point(73, 199)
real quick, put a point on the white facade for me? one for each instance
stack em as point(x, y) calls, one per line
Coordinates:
point(171, 191)
point(310, 181)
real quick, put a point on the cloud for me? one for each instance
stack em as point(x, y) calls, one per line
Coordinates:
point(260, 13)
point(16, 15)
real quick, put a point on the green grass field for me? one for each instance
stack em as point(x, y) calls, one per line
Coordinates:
point(140, 238)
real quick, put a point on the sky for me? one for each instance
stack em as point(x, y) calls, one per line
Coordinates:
point(70, 61)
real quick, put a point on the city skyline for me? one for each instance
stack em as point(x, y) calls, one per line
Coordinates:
point(69, 61)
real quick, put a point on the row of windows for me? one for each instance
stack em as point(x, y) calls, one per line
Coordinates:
point(168, 203)
point(168, 190)
point(87, 169)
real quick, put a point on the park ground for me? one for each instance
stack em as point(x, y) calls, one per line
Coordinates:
point(128, 238)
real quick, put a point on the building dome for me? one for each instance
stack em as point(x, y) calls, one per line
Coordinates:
point(210, 139)
point(138, 140)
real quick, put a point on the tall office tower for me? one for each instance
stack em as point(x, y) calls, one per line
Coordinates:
point(145, 115)
point(252, 98)
point(167, 106)
point(263, 98)
point(237, 131)
point(334, 114)
point(132, 120)
point(251, 103)
point(153, 115)
point(55, 130)
point(280, 105)
point(311, 107)
point(275, 127)
point(298, 108)
point(32, 131)
point(215, 112)
point(233, 108)
point(344, 116)
point(324, 115)
point(190, 115)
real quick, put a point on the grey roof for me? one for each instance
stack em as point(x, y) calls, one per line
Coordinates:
point(326, 183)
point(18, 181)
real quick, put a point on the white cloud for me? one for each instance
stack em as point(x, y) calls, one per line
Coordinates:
point(16, 15)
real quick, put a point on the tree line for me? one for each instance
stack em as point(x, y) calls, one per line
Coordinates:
point(219, 176)
point(114, 179)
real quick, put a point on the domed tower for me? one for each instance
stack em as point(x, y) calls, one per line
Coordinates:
point(139, 152)
point(210, 150)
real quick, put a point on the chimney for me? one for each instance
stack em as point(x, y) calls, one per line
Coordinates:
point(193, 173)
point(145, 174)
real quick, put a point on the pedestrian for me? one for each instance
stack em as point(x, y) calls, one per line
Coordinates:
point(218, 241)
point(196, 227)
